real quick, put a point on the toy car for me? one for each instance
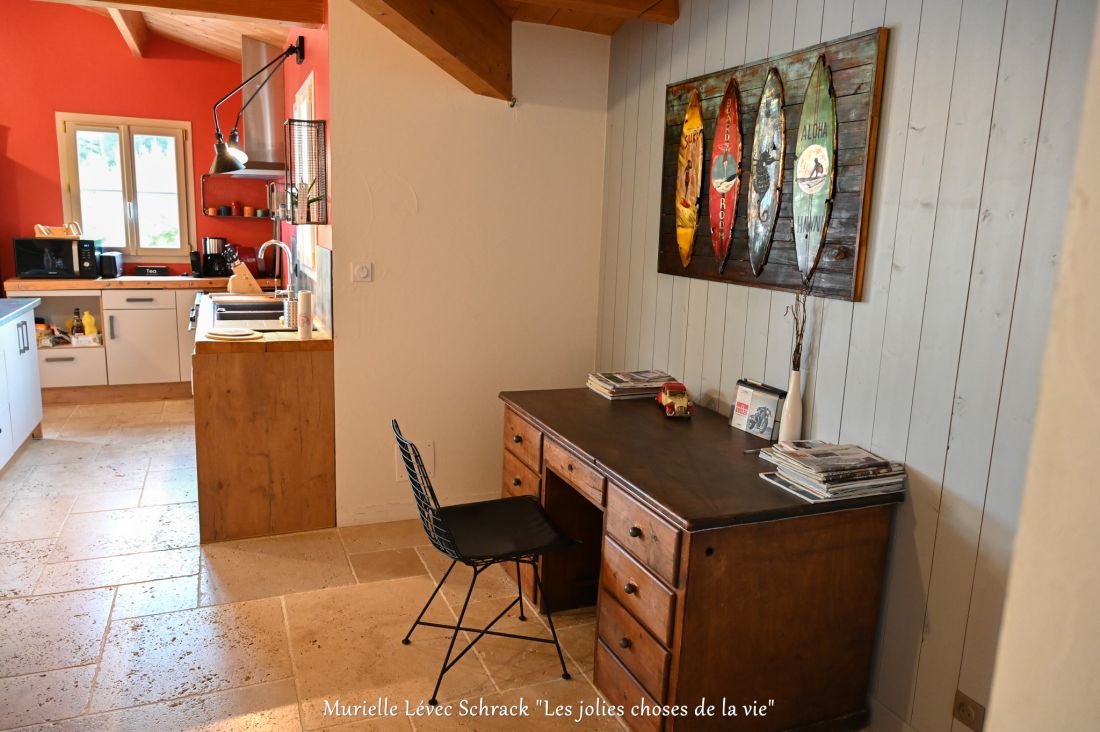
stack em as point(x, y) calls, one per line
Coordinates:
point(674, 397)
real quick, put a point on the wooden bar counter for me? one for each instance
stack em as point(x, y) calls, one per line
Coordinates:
point(264, 433)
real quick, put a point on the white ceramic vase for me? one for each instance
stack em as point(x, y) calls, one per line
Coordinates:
point(790, 424)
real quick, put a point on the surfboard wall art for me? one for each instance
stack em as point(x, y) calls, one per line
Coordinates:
point(689, 177)
point(814, 169)
point(725, 173)
point(766, 178)
point(838, 86)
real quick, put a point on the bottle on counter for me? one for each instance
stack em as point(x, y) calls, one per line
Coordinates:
point(77, 326)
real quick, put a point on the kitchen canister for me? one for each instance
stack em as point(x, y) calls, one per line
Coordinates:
point(305, 315)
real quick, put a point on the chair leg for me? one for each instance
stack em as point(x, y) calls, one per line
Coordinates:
point(550, 621)
point(519, 586)
point(435, 592)
point(454, 636)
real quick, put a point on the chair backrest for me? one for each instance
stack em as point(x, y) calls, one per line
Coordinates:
point(426, 502)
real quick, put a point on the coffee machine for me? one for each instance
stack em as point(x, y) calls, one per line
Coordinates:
point(213, 257)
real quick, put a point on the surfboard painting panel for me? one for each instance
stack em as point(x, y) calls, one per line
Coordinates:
point(766, 176)
point(689, 177)
point(814, 169)
point(725, 173)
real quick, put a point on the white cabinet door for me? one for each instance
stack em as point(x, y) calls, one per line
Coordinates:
point(185, 300)
point(141, 346)
point(24, 388)
point(7, 439)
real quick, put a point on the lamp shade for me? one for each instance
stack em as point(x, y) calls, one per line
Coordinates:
point(225, 161)
point(235, 149)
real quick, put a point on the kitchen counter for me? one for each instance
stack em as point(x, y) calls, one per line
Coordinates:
point(272, 342)
point(128, 282)
point(12, 308)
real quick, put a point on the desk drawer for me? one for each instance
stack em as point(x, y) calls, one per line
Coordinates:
point(638, 591)
point(523, 440)
point(633, 646)
point(517, 479)
point(620, 689)
point(649, 538)
point(139, 299)
point(578, 473)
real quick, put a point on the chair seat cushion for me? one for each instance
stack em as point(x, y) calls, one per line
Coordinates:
point(503, 528)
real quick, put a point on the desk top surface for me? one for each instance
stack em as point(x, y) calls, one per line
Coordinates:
point(694, 471)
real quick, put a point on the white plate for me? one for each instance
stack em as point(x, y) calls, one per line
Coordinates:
point(232, 333)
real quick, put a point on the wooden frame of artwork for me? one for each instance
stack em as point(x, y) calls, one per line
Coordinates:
point(857, 63)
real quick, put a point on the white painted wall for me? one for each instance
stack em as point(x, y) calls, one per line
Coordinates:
point(1049, 658)
point(939, 364)
point(483, 224)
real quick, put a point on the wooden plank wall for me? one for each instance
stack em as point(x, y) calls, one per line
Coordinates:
point(938, 366)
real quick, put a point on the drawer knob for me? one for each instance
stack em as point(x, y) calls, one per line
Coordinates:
point(569, 467)
point(624, 643)
point(630, 588)
point(635, 532)
point(517, 439)
point(517, 481)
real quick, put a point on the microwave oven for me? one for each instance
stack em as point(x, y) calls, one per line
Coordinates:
point(56, 258)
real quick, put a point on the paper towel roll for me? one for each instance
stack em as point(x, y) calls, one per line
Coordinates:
point(305, 315)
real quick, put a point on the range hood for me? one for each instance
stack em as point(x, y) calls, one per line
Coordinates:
point(263, 118)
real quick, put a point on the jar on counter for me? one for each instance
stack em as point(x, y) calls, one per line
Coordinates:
point(235, 208)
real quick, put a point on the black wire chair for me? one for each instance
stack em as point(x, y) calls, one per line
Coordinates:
point(480, 535)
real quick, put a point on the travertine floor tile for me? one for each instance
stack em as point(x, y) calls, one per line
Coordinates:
point(391, 535)
point(86, 429)
point(34, 518)
point(44, 697)
point(576, 616)
point(57, 412)
point(513, 663)
point(158, 596)
point(170, 486)
point(20, 564)
point(123, 569)
point(109, 501)
point(493, 584)
point(579, 642)
point(67, 453)
point(128, 531)
point(53, 631)
point(160, 657)
point(346, 644)
point(574, 693)
point(387, 564)
point(118, 409)
point(382, 724)
point(90, 477)
point(271, 707)
point(272, 566)
point(179, 410)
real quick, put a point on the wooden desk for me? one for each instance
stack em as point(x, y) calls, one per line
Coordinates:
point(709, 582)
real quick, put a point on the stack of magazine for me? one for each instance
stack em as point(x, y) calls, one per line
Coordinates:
point(628, 384)
point(820, 471)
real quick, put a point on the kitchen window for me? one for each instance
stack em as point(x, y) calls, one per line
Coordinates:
point(127, 182)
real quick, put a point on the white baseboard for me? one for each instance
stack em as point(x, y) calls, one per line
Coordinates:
point(884, 720)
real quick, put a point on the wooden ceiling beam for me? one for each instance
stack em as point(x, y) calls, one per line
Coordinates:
point(658, 11)
point(131, 26)
point(305, 13)
point(469, 39)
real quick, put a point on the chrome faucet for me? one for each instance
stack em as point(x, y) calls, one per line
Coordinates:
point(291, 289)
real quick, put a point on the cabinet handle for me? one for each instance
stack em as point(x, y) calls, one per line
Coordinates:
point(517, 439)
point(517, 482)
point(55, 359)
point(111, 327)
point(624, 643)
point(139, 299)
point(630, 588)
point(24, 339)
point(635, 532)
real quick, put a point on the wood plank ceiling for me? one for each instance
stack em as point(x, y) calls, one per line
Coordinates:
point(469, 39)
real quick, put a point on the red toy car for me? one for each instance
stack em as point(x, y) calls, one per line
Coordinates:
point(674, 397)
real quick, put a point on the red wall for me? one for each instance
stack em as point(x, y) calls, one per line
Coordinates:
point(66, 59)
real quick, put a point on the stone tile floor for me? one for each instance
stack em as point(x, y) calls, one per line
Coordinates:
point(112, 617)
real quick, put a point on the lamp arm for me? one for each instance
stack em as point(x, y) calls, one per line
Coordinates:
point(259, 88)
point(296, 50)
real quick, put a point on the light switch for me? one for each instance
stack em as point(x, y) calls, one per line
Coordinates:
point(362, 272)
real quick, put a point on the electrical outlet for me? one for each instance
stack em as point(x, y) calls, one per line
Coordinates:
point(969, 712)
point(427, 455)
point(362, 272)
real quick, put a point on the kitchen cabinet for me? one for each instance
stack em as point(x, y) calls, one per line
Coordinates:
point(7, 439)
point(142, 346)
point(185, 301)
point(24, 390)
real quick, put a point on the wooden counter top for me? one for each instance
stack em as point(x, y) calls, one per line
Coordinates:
point(18, 284)
point(272, 342)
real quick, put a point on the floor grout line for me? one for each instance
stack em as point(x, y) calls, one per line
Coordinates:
point(102, 649)
point(293, 666)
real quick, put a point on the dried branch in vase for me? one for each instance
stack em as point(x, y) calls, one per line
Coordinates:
point(798, 313)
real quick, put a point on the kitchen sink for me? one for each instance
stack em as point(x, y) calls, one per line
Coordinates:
point(231, 307)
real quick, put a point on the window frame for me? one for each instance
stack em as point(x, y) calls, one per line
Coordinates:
point(67, 126)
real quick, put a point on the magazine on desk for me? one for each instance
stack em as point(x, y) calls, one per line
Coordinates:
point(819, 471)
